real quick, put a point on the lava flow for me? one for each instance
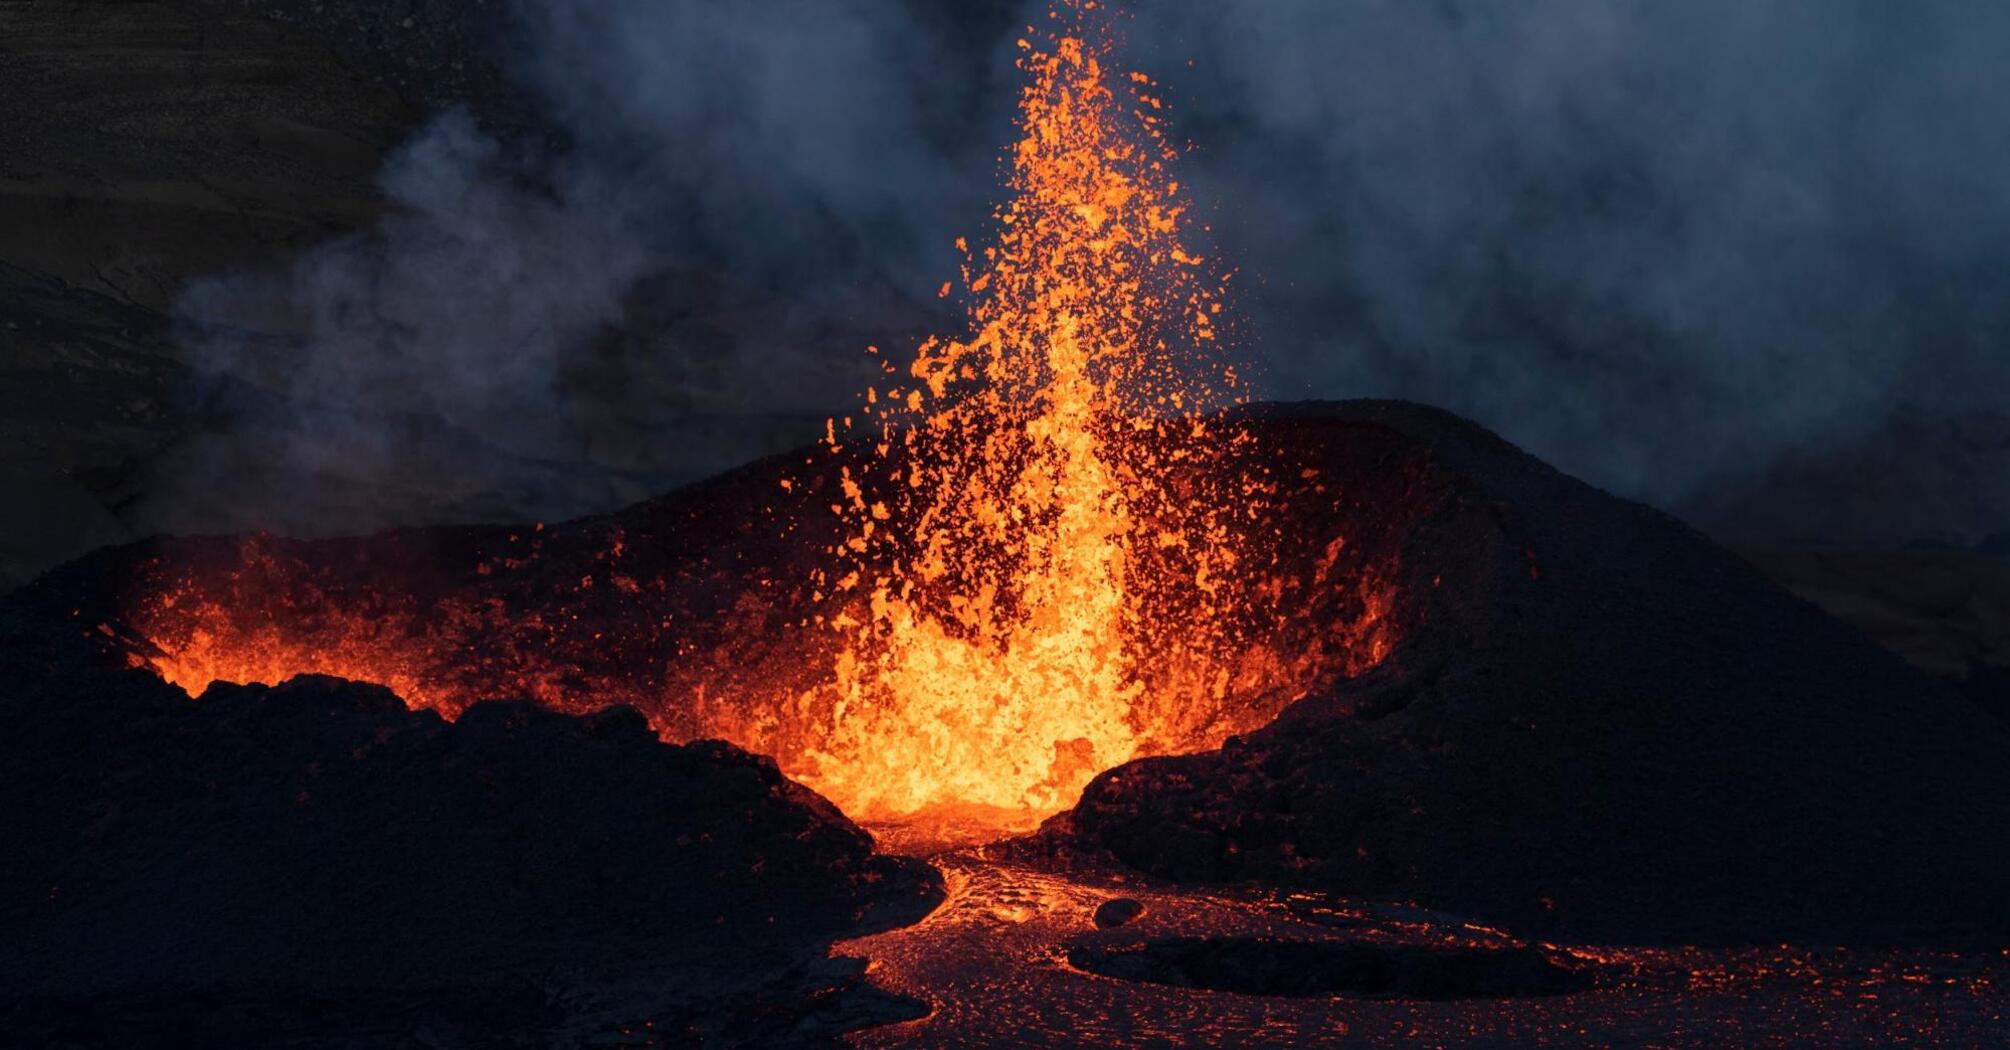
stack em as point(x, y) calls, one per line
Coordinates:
point(1040, 550)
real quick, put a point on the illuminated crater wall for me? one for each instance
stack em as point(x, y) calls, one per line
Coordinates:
point(1037, 550)
point(1525, 701)
point(701, 608)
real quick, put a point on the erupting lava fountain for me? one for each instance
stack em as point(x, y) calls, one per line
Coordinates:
point(1034, 553)
point(1002, 659)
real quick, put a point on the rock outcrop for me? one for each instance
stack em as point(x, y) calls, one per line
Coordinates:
point(1595, 724)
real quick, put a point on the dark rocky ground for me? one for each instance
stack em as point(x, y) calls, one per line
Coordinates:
point(1596, 724)
point(315, 861)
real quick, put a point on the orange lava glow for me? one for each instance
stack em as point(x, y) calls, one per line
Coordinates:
point(1009, 612)
point(1038, 550)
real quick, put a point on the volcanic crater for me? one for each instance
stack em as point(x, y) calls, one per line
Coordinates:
point(1512, 698)
point(1173, 718)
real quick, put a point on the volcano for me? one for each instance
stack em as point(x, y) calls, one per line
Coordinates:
point(1589, 725)
point(1595, 722)
point(1060, 696)
point(1577, 711)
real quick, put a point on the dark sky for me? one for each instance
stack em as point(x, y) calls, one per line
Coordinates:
point(1666, 246)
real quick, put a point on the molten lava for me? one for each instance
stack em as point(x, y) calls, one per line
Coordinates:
point(1009, 615)
point(1043, 550)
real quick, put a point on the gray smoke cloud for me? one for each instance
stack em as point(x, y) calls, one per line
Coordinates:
point(677, 266)
point(1668, 247)
point(798, 139)
point(412, 371)
point(1660, 245)
point(458, 306)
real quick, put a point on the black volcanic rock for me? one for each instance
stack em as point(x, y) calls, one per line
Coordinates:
point(1595, 724)
point(1117, 911)
point(320, 835)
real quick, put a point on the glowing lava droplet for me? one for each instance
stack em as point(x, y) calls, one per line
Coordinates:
point(1004, 612)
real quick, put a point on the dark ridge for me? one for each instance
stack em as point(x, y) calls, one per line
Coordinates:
point(320, 835)
point(1596, 724)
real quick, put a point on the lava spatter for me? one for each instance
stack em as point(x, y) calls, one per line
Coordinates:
point(1023, 566)
point(1037, 550)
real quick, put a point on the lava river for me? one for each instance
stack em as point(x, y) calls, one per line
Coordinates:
point(999, 964)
